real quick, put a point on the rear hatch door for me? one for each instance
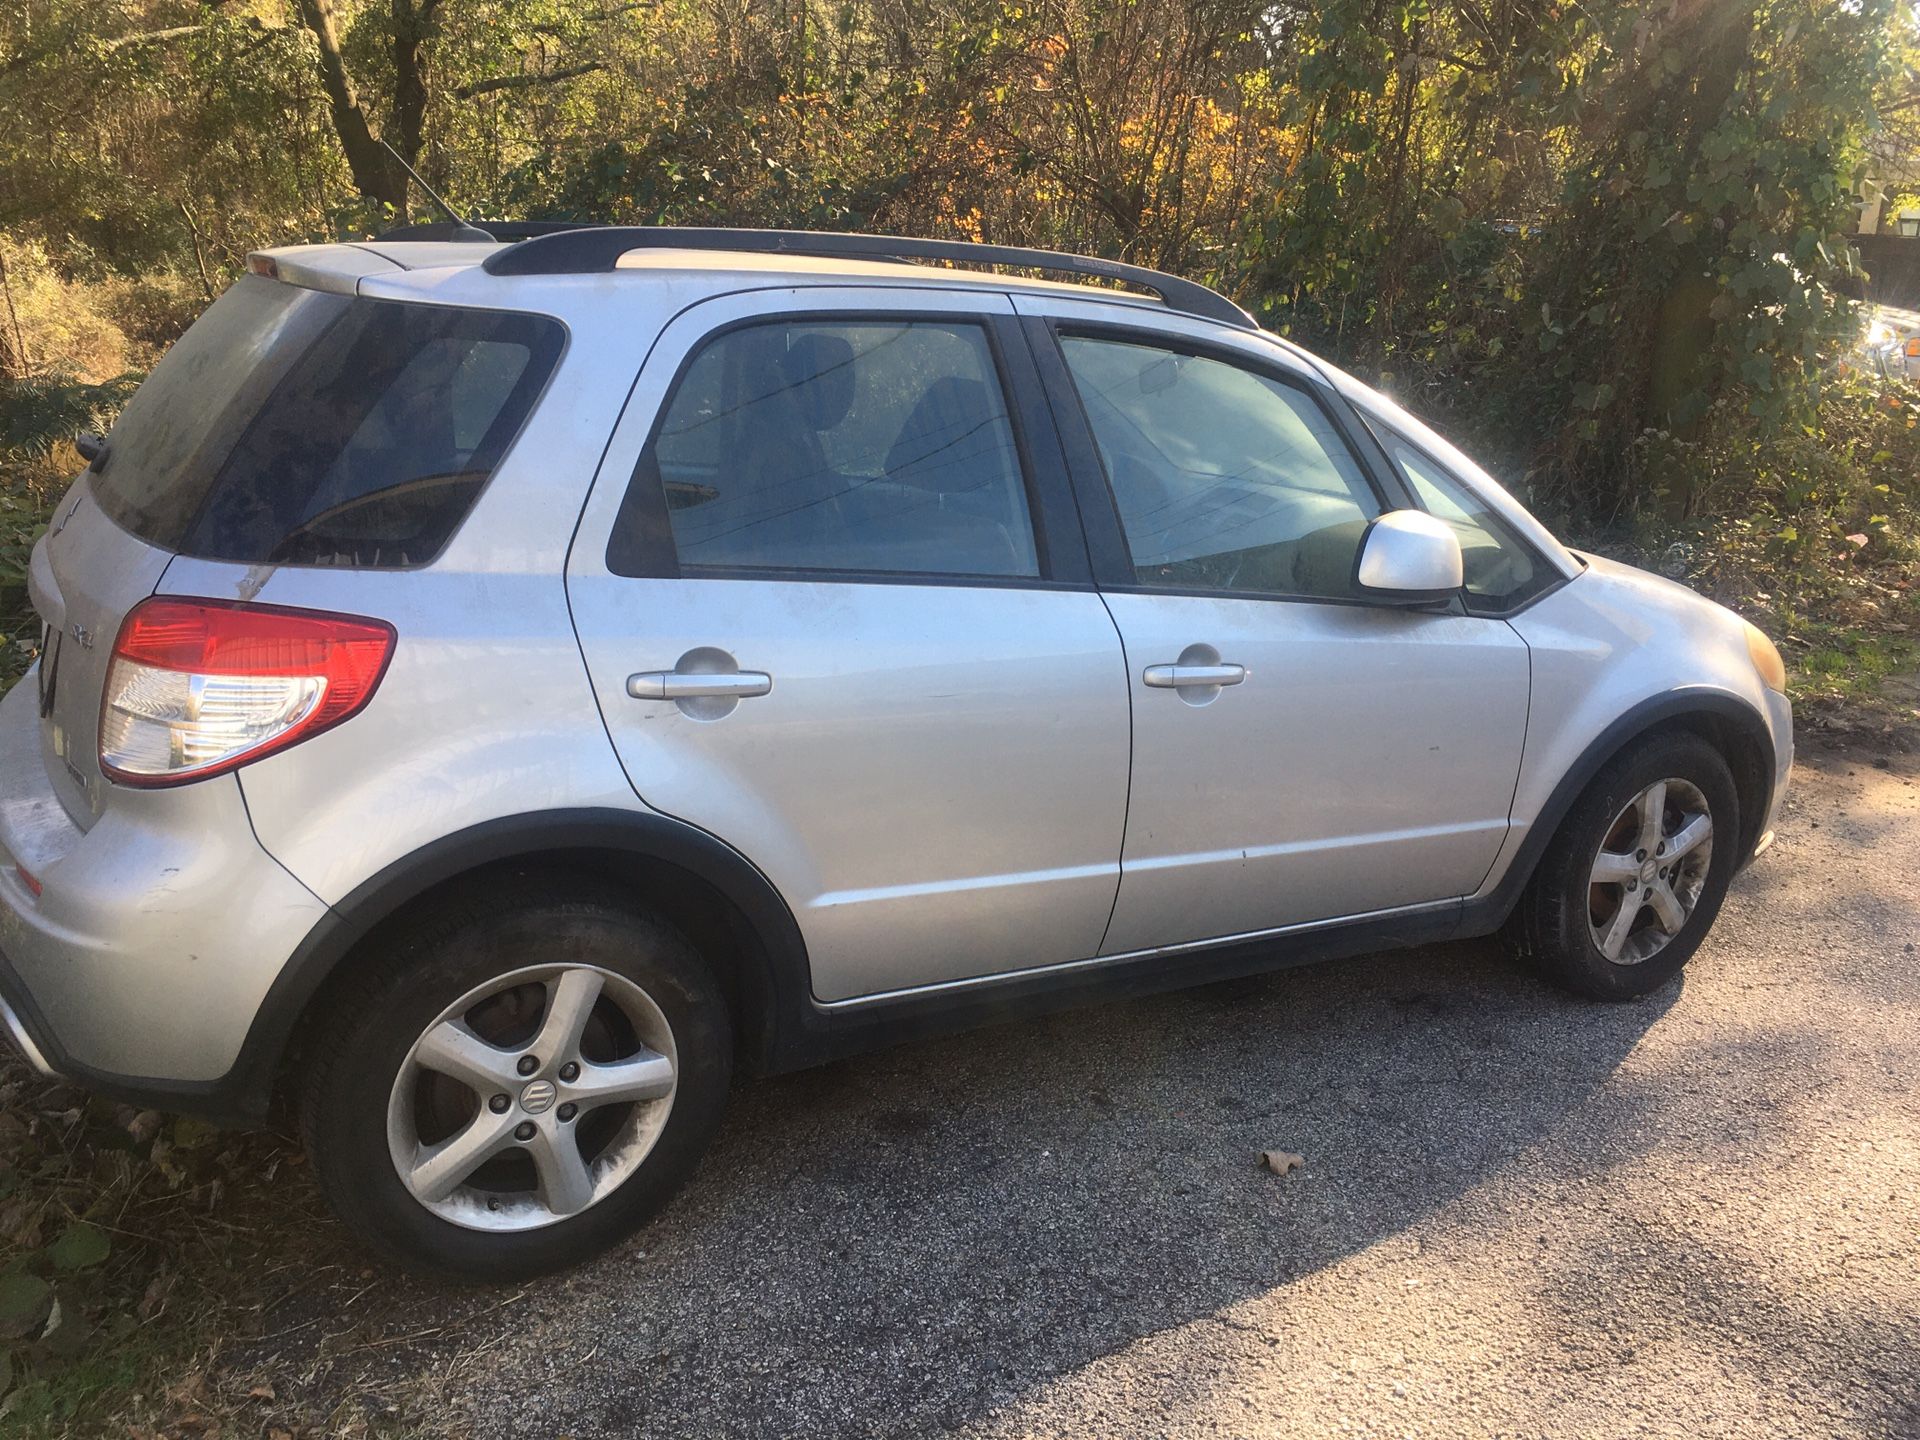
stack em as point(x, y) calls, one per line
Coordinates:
point(119, 527)
point(87, 573)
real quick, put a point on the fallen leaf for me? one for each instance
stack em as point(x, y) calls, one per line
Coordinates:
point(1281, 1161)
point(79, 1247)
point(24, 1300)
point(262, 1392)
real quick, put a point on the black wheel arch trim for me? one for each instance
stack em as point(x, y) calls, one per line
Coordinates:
point(1486, 913)
point(777, 982)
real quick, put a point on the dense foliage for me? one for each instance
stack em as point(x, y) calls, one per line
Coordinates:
point(1604, 245)
point(1557, 225)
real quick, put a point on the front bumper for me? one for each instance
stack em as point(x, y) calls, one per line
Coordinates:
point(156, 931)
point(1780, 724)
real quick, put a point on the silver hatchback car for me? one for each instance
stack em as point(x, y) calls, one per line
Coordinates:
point(495, 684)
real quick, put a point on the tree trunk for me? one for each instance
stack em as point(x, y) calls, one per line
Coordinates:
point(374, 173)
point(406, 130)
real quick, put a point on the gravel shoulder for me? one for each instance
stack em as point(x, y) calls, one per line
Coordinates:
point(1520, 1214)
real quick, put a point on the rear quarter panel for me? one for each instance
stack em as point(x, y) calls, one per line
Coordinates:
point(485, 710)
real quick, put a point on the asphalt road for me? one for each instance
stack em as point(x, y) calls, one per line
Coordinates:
point(1520, 1214)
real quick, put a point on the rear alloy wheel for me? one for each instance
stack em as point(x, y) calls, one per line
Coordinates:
point(1633, 879)
point(515, 1083)
point(532, 1097)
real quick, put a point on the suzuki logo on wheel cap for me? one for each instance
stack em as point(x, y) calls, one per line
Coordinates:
point(538, 1097)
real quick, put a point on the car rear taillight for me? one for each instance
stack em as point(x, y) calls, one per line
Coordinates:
point(200, 686)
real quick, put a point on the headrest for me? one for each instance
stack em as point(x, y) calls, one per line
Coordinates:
point(819, 368)
point(944, 435)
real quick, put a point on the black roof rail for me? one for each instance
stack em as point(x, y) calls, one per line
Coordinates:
point(595, 249)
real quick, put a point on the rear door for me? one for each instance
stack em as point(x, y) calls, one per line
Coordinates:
point(833, 598)
point(1328, 756)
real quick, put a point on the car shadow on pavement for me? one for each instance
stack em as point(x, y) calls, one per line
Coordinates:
point(913, 1239)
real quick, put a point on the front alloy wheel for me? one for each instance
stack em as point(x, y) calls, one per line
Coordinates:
point(1651, 870)
point(1635, 874)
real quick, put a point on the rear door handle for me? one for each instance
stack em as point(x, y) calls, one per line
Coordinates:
point(682, 685)
point(1172, 677)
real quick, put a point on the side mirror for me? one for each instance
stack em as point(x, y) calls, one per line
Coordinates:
point(1409, 558)
point(91, 448)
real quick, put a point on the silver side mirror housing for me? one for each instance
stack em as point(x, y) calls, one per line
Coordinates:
point(1409, 558)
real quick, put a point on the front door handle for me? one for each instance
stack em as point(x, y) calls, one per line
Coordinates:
point(1174, 677)
point(685, 685)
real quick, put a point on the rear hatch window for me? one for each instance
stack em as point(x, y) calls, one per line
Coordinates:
point(298, 427)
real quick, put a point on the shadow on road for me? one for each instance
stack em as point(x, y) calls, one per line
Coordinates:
point(918, 1237)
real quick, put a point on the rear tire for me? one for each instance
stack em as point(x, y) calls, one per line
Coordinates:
point(576, 1051)
point(1634, 877)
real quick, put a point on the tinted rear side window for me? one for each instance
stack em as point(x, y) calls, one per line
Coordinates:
point(369, 443)
point(873, 446)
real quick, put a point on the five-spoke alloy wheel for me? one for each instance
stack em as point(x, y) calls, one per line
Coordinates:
point(1650, 871)
point(531, 1097)
point(1632, 879)
point(516, 1081)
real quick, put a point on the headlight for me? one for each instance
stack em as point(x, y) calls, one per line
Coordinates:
point(1766, 659)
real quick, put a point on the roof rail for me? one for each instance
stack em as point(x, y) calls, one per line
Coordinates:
point(596, 249)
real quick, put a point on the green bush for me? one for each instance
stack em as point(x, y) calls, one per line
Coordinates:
point(1812, 531)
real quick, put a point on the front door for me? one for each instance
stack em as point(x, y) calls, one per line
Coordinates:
point(1299, 754)
point(829, 597)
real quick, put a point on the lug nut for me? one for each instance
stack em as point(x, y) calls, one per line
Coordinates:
point(1662, 848)
point(524, 1130)
point(528, 1064)
point(1639, 854)
point(498, 1104)
point(570, 1071)
point(569, 1110)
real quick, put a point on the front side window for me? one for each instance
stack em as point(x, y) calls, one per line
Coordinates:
point(1225, 479)
point(1501, 571)
point(873, 446)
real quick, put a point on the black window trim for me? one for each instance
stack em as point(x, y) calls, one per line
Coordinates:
point(1112, 558)
point(641, 546)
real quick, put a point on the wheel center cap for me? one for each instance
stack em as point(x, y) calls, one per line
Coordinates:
point(1648, 871)
point(538, 1097)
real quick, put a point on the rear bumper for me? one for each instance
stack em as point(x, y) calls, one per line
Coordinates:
point(139, 964)
point(19, 1036)
point(232, 1099)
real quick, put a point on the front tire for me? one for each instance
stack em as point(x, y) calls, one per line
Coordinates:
point(515, 1084)
point(1634, 877)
